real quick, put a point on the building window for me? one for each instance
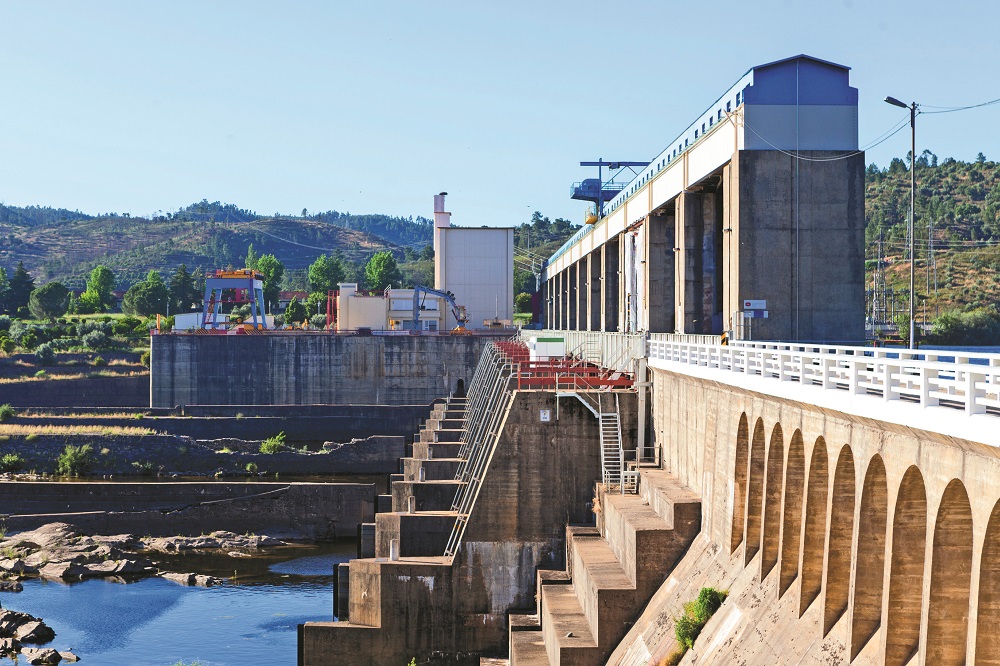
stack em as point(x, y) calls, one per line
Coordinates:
point(737, 99)
point(729, 107)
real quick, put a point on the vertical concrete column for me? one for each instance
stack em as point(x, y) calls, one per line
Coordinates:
point(731, 301)
point(582, 291)
point(659, 300)
point(688, 274)
point(594, 298)
point(562, 299)
point(611, 292)
point(572, 297)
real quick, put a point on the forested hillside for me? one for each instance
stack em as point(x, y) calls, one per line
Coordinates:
point(957, 231)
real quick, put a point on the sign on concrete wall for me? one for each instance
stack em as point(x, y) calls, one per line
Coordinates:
point(754, 304)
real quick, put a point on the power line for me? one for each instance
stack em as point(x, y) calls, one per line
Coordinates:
point(885, 136)
point(953, 109)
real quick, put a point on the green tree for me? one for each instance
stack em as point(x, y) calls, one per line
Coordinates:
point(49, 301)
point(147, 298)
point(183, 294)
point(427, 253)
point(100, 284)
point(272, 270)
point(325, 274)
point(252, 258)
point(522, 303)
point(21, 286)
point(382, 271)
point(4, 289)
point(295, 313)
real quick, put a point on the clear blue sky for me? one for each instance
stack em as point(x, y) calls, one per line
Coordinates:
point(376, 106)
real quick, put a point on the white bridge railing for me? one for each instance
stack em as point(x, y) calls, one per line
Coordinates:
point(960, 380)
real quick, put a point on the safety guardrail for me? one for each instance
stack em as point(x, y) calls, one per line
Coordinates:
point(963, 381)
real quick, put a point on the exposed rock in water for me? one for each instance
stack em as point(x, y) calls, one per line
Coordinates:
point(41, 656)
point(228, 541)
point(68, 656)
point(9, 646)
point(10, 586)
point(34, 632)
point(192, 579)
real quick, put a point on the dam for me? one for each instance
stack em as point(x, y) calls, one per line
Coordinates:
point(840, 499)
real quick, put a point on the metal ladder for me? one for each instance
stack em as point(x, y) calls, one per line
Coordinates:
point(612, 456)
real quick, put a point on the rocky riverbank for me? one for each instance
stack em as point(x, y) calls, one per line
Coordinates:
point(60, 551)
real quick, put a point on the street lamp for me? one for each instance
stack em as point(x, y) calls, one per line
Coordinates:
point(913, 198)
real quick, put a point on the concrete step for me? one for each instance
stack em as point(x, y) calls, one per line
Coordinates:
point(565, 630)
point(605, 592)
point(434, 469)
point(493, 661)
point(453, 435)
point(420, 534)
point(527, 648)
point(642, 541)
point(431, 450)
point(679, 507)
point(430, 495)
point(549, 577)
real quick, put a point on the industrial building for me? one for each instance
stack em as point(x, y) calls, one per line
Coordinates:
point(750, 221)
point(392, 309)
point(476, 264)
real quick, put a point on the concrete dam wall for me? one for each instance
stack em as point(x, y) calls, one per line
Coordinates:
point(303, 369)
point(841, 539)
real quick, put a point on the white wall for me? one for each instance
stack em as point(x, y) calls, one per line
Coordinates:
point(477, 266)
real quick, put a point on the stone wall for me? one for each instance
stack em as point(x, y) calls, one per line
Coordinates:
point(302, 368)
point(304, 510)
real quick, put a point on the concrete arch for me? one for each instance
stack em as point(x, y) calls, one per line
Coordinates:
point(951, 577)
point(814, 530)
point(869, 574)
point(740, 482)
point(755, 492)
point(906, 575)
point(791, 528)
point(838, 547)
point(771, 535)
point(988, 615)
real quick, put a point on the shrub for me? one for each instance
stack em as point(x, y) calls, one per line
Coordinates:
point(126, 325)
point(41, 374)
point(31, 438)
point(99, 361)
point(4, 323)
point(11, 462)
point(144, 359)
point(143, 468)
point(318, 321)
point(74, 460)
point(252, 468)
point(696, 614)
point(90, 325)
point(7, 345)
point(28, 339)
point(7, 412)
point(44, 354)
point(273, 444)
point(95, 339)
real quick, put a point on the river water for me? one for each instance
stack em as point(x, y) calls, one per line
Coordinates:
point(251, 619)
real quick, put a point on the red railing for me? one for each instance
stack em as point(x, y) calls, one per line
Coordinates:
point(562, 374)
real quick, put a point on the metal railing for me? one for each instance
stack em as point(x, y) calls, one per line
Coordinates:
point(968, 382)
point(610, 350)
point(490, 395)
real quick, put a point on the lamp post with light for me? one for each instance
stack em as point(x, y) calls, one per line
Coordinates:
point(913, 198)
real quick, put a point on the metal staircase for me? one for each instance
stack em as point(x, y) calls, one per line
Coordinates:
point(491, 392)
point(612, 455)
